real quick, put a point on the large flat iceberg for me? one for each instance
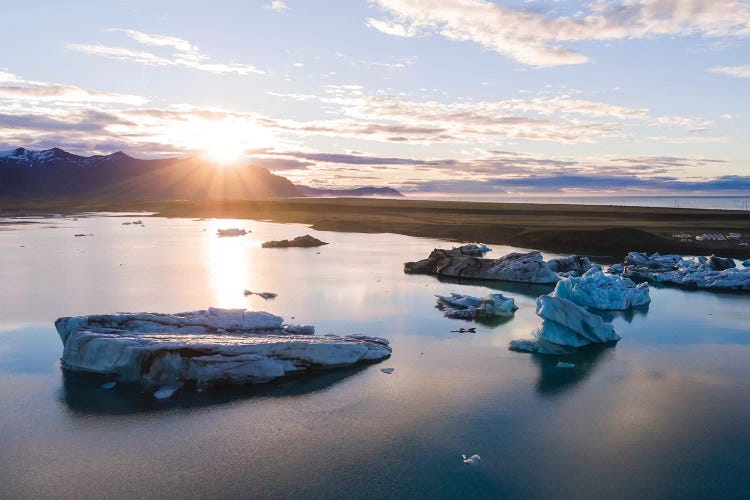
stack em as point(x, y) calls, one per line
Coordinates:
point(208, 347)
point(597, 290)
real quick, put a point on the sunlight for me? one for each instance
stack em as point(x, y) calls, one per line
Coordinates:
point(228, 266)
point(224, 141)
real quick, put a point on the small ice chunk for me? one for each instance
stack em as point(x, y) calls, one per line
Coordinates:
point(165, 392)
point(563, 364)
point(233, 231)
point(108, 385)
point(387, 370)
point(472, 460)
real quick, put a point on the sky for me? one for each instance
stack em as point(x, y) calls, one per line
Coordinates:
point(432, 97)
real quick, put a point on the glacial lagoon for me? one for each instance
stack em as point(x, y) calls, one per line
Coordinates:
point(663, 413)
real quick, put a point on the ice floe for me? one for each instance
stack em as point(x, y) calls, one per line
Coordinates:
point(472, 460)
point(300, 241)
point(710, 273)
point(208, 347)
point(461, 306)
point(521, 267)
point(232, 231)
point(597, 290)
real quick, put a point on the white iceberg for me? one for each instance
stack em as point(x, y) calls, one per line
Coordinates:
point(209, 347)
point(461, 306)
point(565, 326)
point(599, 291)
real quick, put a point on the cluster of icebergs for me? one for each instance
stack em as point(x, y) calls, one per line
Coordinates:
point(711, 273)
point(567, 320)
point(165, 352)
point(461, 306)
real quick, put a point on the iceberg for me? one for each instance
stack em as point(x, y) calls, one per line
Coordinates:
point(230, 232)
point(167, 352)
point(521, 267)
point(461, 306)
point(472, 460)
point(475, 249)
point(597, 290)
point(708, 273)
point(565, 327)
point(746, 263)
point(575, 265)
point(300, 241)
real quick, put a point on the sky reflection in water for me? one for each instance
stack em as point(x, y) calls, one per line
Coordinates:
point(662, 413)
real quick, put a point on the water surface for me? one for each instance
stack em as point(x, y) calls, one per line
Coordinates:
point(662, 414)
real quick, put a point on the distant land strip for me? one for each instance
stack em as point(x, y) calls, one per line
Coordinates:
point(598, 230)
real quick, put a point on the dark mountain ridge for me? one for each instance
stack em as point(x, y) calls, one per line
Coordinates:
point(55, 173)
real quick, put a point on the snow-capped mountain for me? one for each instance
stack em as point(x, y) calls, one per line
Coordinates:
point(55, 157)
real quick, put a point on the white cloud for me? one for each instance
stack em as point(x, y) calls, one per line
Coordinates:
point(277, 6)
point(15, 88)
point(185, 54)
point(735, 71)
point(535, 38)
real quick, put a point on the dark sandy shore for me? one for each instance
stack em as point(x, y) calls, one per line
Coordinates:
point(606, 231)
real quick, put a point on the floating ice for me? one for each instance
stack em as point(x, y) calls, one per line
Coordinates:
point(231, 232)
point(214, 346)
point(475, 249)
point(710, 273)
point(521, 267)
point(565, 327)
point(599, 291)
point(615, 269)
point(165, 392)
point(575, 265)
point(108, 385)
point(262, 295)
point(461, 306)
point(472, 460)
point(300, 241)
point(387, 370)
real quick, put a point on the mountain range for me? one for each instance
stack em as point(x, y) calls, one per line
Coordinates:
point(55, 173)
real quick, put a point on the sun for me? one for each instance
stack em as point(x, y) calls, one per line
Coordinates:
point(225, 152)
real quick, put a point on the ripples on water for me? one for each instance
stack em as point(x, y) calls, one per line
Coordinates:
point(661, 414)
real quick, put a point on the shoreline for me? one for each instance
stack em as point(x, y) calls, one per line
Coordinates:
point(599, 230)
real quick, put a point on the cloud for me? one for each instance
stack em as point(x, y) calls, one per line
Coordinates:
point(184, 54)
point(277, 6)
point(15, 88)
point(735, 71)
point(536, 38)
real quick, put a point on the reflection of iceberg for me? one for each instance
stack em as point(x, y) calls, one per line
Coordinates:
point(82, 392)
point(531, 290)
point(554, 379)
point(217, 346)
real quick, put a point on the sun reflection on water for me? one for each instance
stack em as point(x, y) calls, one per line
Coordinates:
point(228, 265)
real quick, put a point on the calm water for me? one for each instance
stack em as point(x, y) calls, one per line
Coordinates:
point(663, 414)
